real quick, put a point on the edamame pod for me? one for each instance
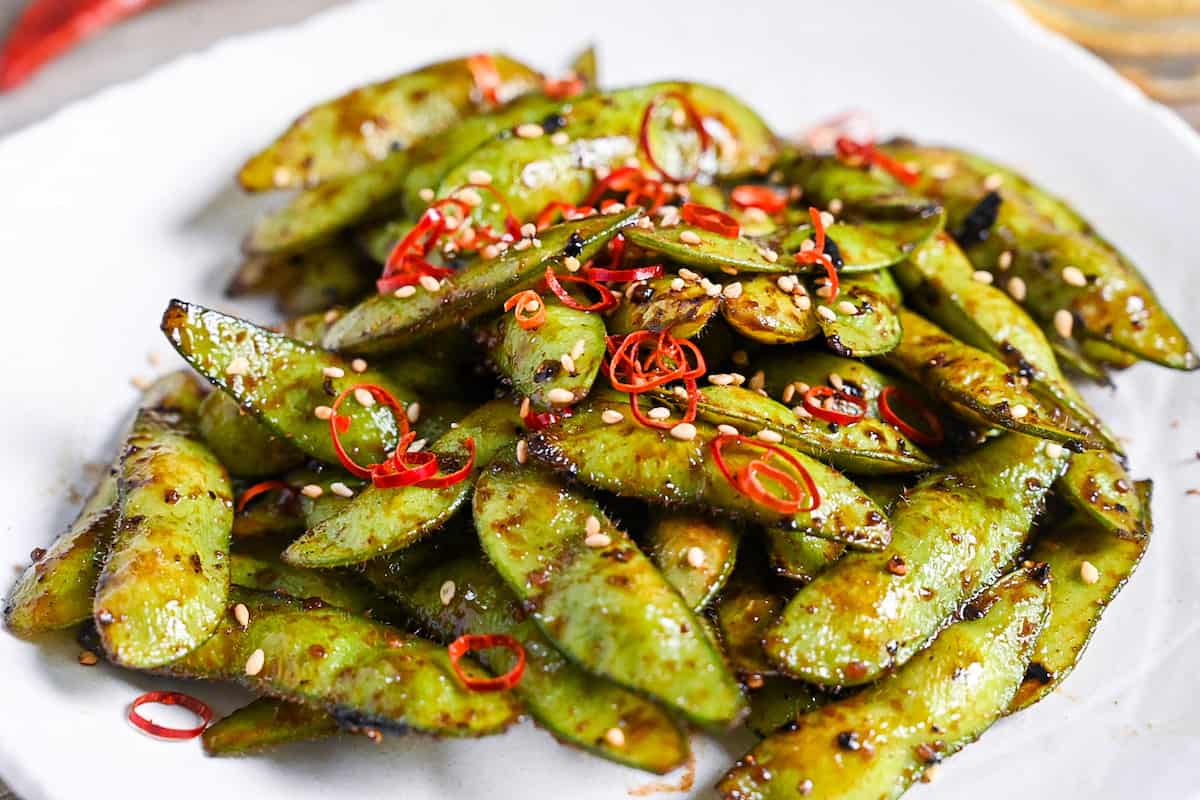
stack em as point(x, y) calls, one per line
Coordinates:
point(657, 306)
point(246, 447)
point(766, 313)
point(780, 702)
point(1097, 485)
point(744, 611)
point(561, 354)
point(264, 724)
point(271, 575)
point(695, 553)
point(800, 558)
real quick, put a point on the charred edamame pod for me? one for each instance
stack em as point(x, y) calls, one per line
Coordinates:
point(1097, 484)
point(694, 552)
point(657, 305)
point(563, 354)
point(264, 724)
point(246, 447)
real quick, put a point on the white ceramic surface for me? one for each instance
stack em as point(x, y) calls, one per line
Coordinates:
point(123, 201)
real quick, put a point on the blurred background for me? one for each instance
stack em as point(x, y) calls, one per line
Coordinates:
point(1154, 43)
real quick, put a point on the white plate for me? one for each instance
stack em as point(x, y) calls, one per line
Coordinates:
point(121, 202)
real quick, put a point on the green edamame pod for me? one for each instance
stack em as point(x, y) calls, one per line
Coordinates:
point(364, 673)
point(56, 590)
point(877, 743)
point(781, 701)
point(958, 530)
point(978, 386)
point(707, 251)
point(282, 381)
point(163, 587)
point(695, 553)
point(766, 313)
point(533, 360)
point(860, 321)
point(1097, 485)
point(657, 306)
point(347, 134)
point(246, 447)
point(1075, 604)
point(380, 521)
point(575, 707)
point(745, 610)
point(863, 191)
point(648, 463)
point(866, 245)
point(264, 724)
point(533, 527)
point(800, 558)
point(584, 67)
point(384, 322)
point(272, 575)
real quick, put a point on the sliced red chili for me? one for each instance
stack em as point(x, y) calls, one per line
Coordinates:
point(820, 401)
point(458, 475)
point(535, 421)
point(259, 488)
point(528, 318)
point(817, 254)
point(465, 644)
point(562, 88)
point(867, 153)
point(486, 76)
point(696, 120)
point(668, 360)
point(607, 275)
point(403, 468)
point(554, 282)
point(710, 219)
point(197, 707)
point(545, 217)
point(747, 479)
point(935, 434)
point(761, 197)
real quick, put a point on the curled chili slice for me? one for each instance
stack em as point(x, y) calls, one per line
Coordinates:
point(622, 179)
point(259, 488)
point(866, 153)
point(820, 401)
point(486, 77)
point(669, 359)
point(760, 197)
point(747, 480)
point(404, 468)
point(545, 217)
point(197, 707)
point(340, 424)
point(696, 120)
point(817, 254)
point(562, 88)
point(528, 309)
point(936, 432)
point(554, 282)
point(465, 644)
point(710, 219)
point(451, 478)
point(624, 275)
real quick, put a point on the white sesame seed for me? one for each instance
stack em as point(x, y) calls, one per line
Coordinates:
point(826, 313)
point(1088, 572)
point(826, 219)
point(611, 416)
point(333, 372)
point(529, 230)
point(801, 412)
point(688, 275)
point(560, 396)
point(659, 412)
point(789, 392)
point(479, 177)
point(417, 446)
point(524, 410)
point(1073, 276)
point(426, 194)
point(786, 283)
point(446, 593)
point(1016, 287)
point(689, 237)
point(405, 291)
point(522, 451)
point(1004, 261)
point(835, 206)
point(597, 540)
point(323, 412)
point(771, 436)
point(738, 378)
point(341, 489)
point(591, 524)
point(568, 363)
point(993, 182)
point(942, 171)
point(364, 397)
point(238, 365)
point(255, 662)
point(312, 491)
point(802, 302)
point(242, 615)
point(758, 380)
point(695, 557)
point(571, 263)
point(1064, 323)
point(430, 283)
point(982, 276)
point(677, 285)
point(720, 379)
point(1054, 449)
point(713, 290)
point(847, 308)
point(728, 430)
point(684, 431)
point(806, 245)
point(358, 365)
point(836, 381)
point(733, 291)
point(530, 130)
point(489, 252)
point(1018, 411)
point(615, 737)
point(559, 138)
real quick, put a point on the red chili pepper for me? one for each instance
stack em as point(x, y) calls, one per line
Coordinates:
point(257, 489)
point(624, 275)
point(537, 421)
point(693, 115)
point(710, 219)
point(545, 217)
point(340, 424)
point(817, 254)
point(638, 188)
point(746, 480)
point(562, 88)
point(521, 301)
point(465, 644)
point(48, 27)
point(486, 76)
point(460, 474)
point(404, 468)
point(813, 403)
point(866, 153)
point(669, 359)
point(554, 282)
point(406, 263)
point(197, 707)
point(762, 197)
point(937, 433)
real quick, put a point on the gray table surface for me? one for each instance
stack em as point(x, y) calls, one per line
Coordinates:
point(130, 49)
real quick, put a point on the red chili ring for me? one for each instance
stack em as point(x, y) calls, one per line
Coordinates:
point(465, 644)
point(761, 197)
point(451, 478)
point(486, 76)
point(889, 415)
point(710, 219)
point(339, 424)
point(197, 707)
point(847, 148)
point(644, 133)
point(815, 408)
point(554, 282)
point(746, 480)
point(254, 491)
point(536, 421)
point(624, 275)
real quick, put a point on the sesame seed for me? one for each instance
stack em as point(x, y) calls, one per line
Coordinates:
point(688, 275)
point(426, 194)
point(529, 230)
point(479, 177)
point(684, 431)
point(611, 416)
point(568, 363)
point(677, 285)
point(1054, 449)
point(738, 378)
point(802, 302)
point(312, 491)
point(530, 130)
point(88, 659)
point(789, 392)
point(242, 615)
point(239, 365)
point(255, 662)
point(1088, 572)
point(1073, 276)
point(571, 263)
point(689, 237)
point(341, 489)
point(1064, 323)
point(713, 290)
point(559, 138)
point(942, 171)
point(825, 291)
point(801, 412)
point(836, 381)
point(597, 540)
point(1005, 260)
point(826, 313)
point(358, 365)
point(323, 412)
point(826, 219)
point(758, 380)
point(560, 396)
point(786, 283)
point(413, 412)
point(769, 436)
point(659, 412)
point(524, 410)
point(695, 557)
point(728, 430)
point(1016, 287)
point(847, 308)
point(446, 593)
point(333, 372)
point(993, 182)
point(615, 737)
point(1018, 411)
point(364, 397)
point(591, 525)
point(522, 451)
point(405, 291)
point(331, 316)
point(982, 276)
point(720, 379)
point(733, 291)
point(489, 252)
point(430, 283)
point(806, 245)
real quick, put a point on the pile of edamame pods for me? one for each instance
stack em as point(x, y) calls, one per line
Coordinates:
point(614, 409)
